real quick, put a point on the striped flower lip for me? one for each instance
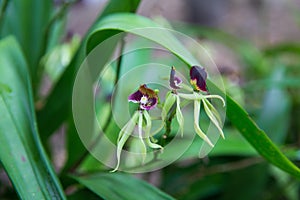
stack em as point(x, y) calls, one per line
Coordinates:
point(146, 97)
point(198, 77)
point(175, 81)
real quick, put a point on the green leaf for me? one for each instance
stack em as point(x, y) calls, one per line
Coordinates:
point(237, 115)
point(113, 186)
point(21, 152)
point(27, 21)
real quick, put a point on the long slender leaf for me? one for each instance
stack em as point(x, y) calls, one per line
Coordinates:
point(113, 186)
point(21, 152)
point(237, 115)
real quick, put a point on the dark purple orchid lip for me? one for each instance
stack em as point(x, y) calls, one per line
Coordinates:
point(146, 97)
point(198, 77)
point(174, 80)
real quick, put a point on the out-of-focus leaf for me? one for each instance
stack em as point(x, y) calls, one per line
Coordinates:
point(210, 186)
point(27, 21)
point(74, 147)
point(237, 185)
point(21, 152)
point(59, 57)
point(236, 114)
point(3, 7)
point(119, 6)
point(288, 186)
point(279, 49)
point(274, 117)
point(204, 187)
point(271, 83)
point(113, 186)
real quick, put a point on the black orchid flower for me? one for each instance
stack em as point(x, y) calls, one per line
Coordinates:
point(146, 97)
point(198, 77)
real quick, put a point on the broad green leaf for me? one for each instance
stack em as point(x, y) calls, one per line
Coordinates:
point(27, 21)
point(21, 152)
point(236, 114)
point(113, 186)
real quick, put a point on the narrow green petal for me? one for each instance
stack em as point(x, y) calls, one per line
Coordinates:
point(147, 132)
point(140, 131)
point(179, 116)
point(133, 121)
point(212, 117)
point(193, 96)
point(122, 131)
point(199, 96)
point(123, 137)
point(196, 123)
point(152, 145)
point(148, 123)
point(120, 145)
point(215, 97)
point(214, 111)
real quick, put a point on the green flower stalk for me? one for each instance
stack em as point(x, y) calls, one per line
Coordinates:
point(147, 100)
point(173, 99)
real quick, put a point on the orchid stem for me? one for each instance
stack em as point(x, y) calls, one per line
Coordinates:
point(170, 117)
